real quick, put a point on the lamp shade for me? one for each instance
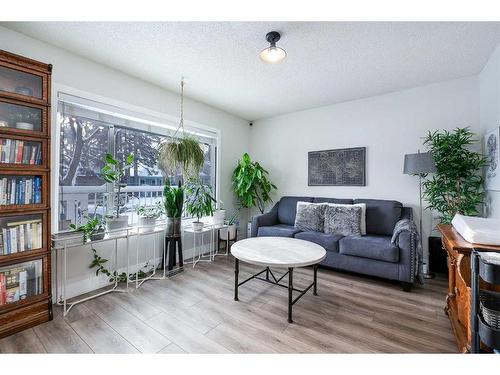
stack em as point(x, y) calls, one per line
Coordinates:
point(419, 163)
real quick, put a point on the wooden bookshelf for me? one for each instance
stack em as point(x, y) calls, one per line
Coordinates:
point(25, 265)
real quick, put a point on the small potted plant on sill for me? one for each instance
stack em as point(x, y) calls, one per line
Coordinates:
point(229, 232)
point(93, 229)
point(112, 173)
point(148, 216)
point(173, 202)
point(199, 202)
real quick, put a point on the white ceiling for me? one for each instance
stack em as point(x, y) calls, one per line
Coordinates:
point(328, 62)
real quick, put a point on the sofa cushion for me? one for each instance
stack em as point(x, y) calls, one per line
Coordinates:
point(329, 241)
point(332, 200)
point(287, 209)
point(280, 230)
point(370, 246)
point(343, 219)
point(310, 216)
point(381, 215)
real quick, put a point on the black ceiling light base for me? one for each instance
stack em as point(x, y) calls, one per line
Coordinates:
point(272, 37)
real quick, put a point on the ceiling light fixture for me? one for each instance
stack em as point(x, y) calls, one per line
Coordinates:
point(272, 54)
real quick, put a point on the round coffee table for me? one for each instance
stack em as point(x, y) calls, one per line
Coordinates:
point(278, 252)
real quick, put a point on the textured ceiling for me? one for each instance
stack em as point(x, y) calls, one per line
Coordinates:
point(328, 62)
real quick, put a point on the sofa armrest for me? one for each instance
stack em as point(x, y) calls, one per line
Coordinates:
point(407, 248)
point(267, 219)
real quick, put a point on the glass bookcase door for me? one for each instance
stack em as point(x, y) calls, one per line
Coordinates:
point(16, 116)
point(20, 233)
point(20, 151)
point(20, 190)
point(21, 281)
point(22, 83)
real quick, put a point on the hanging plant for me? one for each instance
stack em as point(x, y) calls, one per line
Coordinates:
point(181, 152)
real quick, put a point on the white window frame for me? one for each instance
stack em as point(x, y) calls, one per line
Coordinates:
point(158, 119)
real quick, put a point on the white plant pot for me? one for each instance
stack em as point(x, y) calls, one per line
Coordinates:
point(197, 226)
point(228, 233)
point(115, 223)
point(218, 217)
point(148, 223)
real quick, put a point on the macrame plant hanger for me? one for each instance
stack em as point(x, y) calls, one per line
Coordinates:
point(181, 122)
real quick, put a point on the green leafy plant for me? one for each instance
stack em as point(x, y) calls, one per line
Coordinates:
point(93, 225)
point(199, 199)
point(183, 153)
point(251, 184)
point(173, 200)
point(112, 172)
point(151, 212)
point(457, 185)
point(233, 218)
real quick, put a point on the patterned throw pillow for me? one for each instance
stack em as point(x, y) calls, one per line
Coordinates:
point(363, 213)
point(344, 220)
point(310, 216)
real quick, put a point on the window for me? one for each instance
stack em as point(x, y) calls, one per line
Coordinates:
point(87, 132)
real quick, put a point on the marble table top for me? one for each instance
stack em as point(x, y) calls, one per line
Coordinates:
point(278, 252)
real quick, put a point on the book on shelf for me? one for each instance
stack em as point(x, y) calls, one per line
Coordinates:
point(18, 283)
point(20, 152)
point(21, 236)
point(20, 190)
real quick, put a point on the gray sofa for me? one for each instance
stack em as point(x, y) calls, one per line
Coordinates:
point(371, 254)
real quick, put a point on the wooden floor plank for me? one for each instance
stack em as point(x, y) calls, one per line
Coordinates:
point(22, 342)
point(57, 336)
point(135, 331)
point(100, 337)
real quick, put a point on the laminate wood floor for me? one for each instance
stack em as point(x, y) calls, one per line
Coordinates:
point(194, 312)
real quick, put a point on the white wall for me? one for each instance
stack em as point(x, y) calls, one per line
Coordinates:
point(389, 126)
point(75, 72)
point(489, 81)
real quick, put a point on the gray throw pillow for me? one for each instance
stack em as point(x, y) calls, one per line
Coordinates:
point(310, 216)
point(344, 220)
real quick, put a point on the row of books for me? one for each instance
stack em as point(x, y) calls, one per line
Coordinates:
point(19, 283)
point(20, 152)
point(21, 236)
point(20, 190)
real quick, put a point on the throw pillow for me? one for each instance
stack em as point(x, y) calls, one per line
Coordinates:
point(363, 213)
point(310, 216)
point(343, 219)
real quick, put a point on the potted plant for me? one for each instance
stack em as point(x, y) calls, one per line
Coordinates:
point(457, 185)
point(26, 118)
point(251, 184)
point(182, 151)
point(229, 232)
point(199, 202)
point(148, 216)
point(219, 215)
point(112, 173)
point(93, 229)
point(173, 201)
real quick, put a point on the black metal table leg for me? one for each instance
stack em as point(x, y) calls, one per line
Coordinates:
point(267, 273)
point(290, 294)
point(315, 290)
point(236, 272)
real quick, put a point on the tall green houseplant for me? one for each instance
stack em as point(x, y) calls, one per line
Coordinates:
point(457, 185)
point(251, 184)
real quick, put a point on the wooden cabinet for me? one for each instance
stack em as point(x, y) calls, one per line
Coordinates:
point(459, 298)
point(25, 265)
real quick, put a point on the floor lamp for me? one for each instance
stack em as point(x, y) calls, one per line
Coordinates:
point(420, 165)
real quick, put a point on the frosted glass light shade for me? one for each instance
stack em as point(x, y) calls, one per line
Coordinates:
point(272, 54)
